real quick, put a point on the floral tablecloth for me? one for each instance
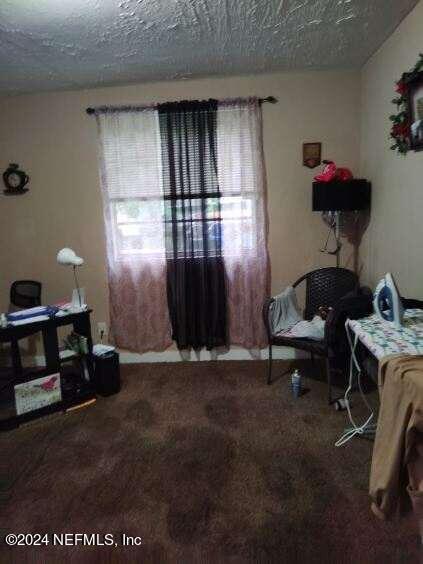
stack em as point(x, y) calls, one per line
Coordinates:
point(382, 338)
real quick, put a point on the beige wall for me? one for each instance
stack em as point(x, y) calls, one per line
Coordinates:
point(54, 140)
point(394, 239)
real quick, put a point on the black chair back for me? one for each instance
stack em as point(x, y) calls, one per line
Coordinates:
point(25, 293)
point(325, 287)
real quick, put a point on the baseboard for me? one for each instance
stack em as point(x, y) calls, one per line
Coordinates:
point(235, 353)
point(173, 355)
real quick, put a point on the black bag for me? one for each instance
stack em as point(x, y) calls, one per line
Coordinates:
point(352, 306)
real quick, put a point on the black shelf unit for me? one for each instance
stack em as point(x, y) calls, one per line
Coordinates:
point(82, 389)
point(354, 194)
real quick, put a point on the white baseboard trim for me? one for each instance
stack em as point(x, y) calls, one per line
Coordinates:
point(173, 355)
point(235, 353)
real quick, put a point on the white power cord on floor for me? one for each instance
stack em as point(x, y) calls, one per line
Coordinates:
point(366, 427)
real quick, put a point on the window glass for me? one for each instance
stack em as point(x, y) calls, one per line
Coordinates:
point(138, 224)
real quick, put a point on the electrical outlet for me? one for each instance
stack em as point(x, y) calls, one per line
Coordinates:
point(102, 329)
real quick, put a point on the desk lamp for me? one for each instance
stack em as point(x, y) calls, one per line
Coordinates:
point(68, 257)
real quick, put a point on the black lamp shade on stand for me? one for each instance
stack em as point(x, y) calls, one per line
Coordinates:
point(351, 195)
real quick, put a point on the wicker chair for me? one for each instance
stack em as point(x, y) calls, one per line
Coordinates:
point(324, 287)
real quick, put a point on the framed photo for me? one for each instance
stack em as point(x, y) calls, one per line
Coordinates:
point(415, 110)
point(312, 154)
point(37, 393)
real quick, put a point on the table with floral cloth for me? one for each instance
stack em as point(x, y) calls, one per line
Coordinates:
point(382, 338)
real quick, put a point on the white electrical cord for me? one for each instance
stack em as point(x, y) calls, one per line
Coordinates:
point(365, 428)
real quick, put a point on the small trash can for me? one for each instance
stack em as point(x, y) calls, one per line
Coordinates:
point(107, 374)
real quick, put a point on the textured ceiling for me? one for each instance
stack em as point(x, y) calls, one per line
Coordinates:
point(67, 44)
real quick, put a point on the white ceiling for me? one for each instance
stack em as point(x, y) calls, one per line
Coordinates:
point(67, 44)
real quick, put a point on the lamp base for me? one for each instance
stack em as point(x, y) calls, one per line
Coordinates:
point(78, 299)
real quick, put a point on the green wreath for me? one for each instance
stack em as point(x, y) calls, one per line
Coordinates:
point(400, 131)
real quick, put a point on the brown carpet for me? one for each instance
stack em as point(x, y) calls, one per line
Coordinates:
point(205, 463)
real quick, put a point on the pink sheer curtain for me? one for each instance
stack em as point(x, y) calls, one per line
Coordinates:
point(131, 180)
point(242, 182)
point(130, 168)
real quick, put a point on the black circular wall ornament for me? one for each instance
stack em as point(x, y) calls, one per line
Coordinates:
point(15, 180)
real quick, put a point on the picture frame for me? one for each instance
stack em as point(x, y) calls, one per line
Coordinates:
point(38, 393)
point(414, 109)
point(312, 154)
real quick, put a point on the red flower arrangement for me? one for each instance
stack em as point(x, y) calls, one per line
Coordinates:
point(401, 129)
point(401, 88)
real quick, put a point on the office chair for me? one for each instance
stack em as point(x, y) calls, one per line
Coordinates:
point(25, 293)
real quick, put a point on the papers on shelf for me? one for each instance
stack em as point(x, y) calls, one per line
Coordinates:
point(41, 313)
point(28, 320)
point(67, 354)
point(32, 311)
point(101, 350)
point(68, 309)
point(31, 315)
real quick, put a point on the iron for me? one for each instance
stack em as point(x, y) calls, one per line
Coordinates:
point(387, 301)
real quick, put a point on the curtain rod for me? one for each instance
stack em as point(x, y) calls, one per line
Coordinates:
point(90, 111)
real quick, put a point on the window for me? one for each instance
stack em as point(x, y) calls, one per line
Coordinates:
point(135, 227)
point(136, 231)
point(138, 213)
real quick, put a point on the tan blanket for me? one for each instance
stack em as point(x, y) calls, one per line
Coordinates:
point(399, 436)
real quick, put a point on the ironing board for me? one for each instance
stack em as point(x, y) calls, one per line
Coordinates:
point(381, 338)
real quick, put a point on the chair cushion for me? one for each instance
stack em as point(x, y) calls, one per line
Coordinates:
point(310, 345)
point(314, 330)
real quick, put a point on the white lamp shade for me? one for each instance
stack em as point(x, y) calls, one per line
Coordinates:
point(68, 257)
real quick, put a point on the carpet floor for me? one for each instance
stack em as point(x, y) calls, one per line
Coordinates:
point(205, 463)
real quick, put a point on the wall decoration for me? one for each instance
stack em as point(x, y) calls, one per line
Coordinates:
point(15, 180)
point(407, 123)
point(312, 154)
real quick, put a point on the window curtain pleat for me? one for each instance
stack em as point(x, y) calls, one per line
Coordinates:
point(195, 269)
point(130, 173)
point(242, 180)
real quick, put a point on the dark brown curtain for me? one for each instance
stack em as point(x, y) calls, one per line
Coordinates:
point(193, 224)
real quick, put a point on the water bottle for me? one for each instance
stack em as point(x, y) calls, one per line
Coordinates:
point(296, 384)
point(3, 321)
